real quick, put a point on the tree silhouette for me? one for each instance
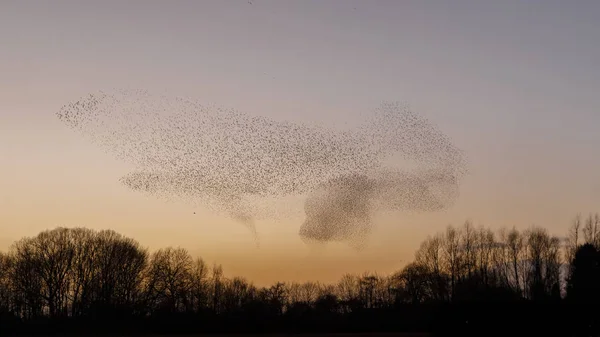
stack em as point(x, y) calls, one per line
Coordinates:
point(584, 278)
point(464, 279)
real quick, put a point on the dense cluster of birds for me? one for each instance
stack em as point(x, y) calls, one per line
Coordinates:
point(226, 160)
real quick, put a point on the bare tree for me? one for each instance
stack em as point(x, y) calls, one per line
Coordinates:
point(236, 293)
point(309, 291)
point(414, 283)
point(277, 297)
point(171, 272)
point(217, 288)
point(83, 273)
point(120, 264)
point(294, 293)
point(591, 230)
point(367, 285)
point(573, 238)
point(199, 285)
point(544, 262)
point(487, 245)
point(469, 245)
point(6, 290)
point(45, 262)
point(79, 272)
point(430, 255)
point(348, 287)
point(348, 291)
point(453, 256)
point(27, 281)
point(515, 250)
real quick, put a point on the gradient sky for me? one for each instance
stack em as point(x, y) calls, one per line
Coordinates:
point(513, 83)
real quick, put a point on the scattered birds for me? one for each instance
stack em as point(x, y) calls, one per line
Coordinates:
point(229, 161)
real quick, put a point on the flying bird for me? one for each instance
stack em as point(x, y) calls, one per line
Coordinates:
point(234, 163)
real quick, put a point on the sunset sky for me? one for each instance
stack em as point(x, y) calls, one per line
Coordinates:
point(513, 83)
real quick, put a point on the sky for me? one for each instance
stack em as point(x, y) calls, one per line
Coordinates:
point(513, 83)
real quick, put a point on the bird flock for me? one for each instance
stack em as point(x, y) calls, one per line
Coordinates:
point(228, 161)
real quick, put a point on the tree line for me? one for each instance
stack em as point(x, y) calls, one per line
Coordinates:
point(463, 279)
